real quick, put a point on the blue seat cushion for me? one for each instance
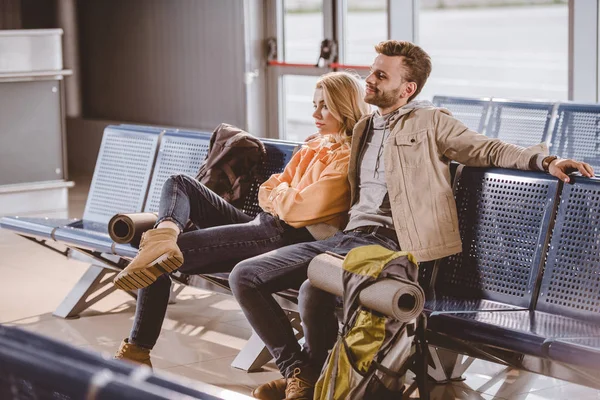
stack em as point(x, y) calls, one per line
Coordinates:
point(86, 234)
point(521, 331)
point(445, 304)
point(125, 250)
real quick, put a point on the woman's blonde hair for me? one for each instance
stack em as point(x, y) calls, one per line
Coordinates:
point(344, 95)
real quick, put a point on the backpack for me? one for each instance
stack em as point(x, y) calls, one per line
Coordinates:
point(232, 163)
point(373, 351)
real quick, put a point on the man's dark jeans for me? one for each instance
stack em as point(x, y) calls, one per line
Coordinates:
point(254, 280)
point(224, 237)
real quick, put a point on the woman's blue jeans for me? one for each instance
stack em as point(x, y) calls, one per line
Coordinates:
point(223, 236)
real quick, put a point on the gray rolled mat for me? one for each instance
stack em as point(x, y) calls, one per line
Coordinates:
point(402, 300)
point(128, 228)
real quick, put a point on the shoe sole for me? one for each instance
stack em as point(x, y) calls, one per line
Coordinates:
point(145, 277)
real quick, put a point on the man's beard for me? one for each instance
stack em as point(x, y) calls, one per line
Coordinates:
point(385, 99)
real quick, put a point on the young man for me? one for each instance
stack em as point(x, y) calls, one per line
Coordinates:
point(401, 198)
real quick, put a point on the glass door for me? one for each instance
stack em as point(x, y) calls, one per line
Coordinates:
point(297, 31)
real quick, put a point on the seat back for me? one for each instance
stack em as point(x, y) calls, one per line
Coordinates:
point(519, 122)
point(504, 218)
point(122, 172)
point(279, 153)
point(571, 282)
point(180, 152)
point(577, 133)
point(183, 152)
point(471, 112)
point(37, 367)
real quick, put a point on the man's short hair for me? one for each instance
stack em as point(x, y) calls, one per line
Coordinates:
point(416, 61)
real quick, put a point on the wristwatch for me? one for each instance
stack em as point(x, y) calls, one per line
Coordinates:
point(547, 161)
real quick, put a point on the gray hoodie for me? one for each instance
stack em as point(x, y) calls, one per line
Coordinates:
point(373, 205)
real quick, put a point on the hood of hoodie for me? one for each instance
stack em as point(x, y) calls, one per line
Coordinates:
point(390, 119)
point(409, 107)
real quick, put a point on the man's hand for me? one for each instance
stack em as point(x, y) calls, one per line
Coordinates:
point(561, 167)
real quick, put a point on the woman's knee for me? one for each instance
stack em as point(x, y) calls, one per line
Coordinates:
point(163, 282)
point(158, 289)
point(180, 180)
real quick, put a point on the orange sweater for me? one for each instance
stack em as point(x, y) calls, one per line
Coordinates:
point(313, 188)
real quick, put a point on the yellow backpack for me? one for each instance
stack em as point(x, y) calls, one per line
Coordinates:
point(373, 351)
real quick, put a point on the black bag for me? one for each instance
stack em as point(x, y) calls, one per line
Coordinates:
point(232, 163)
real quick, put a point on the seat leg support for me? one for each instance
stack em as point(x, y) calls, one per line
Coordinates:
point(446, 365)
point(94, 285)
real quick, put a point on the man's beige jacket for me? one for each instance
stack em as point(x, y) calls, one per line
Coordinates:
point(417, 158)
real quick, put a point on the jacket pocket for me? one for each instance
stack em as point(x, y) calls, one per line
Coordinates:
point(413, 147)
point(446, 210)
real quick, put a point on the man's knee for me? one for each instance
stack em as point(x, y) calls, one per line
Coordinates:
point(314, 300)
point(243, 277)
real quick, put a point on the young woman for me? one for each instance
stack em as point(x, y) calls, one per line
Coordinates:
point(308, 201)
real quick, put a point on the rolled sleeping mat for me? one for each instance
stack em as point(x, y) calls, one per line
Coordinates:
point(128, 228)
point(399, 299)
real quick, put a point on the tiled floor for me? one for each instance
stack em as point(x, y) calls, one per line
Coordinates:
point(203, 331)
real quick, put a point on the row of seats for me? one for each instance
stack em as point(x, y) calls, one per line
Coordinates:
point(132, 166)
point(35, 367)
point(528, 279)
point(530, 243)
point(571, 130)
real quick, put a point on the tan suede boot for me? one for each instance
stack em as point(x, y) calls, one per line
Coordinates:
point(158, 255)
point(132, 352)
point(274, 390)
point(301, 386)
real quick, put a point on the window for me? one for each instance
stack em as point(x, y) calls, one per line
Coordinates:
point(482, 48)
point(303, 30)
point(298, 93)
point(365, 26)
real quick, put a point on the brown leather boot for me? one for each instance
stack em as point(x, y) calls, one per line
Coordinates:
point(133, 352)
point(301, 386)
point(158, 255)
point(274, 390)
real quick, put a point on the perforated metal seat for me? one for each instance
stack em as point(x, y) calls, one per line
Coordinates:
point(119, 184)
point(568, 305)
point(577, 133)
point(36, 367)
point(471, 112)
point(504, 218)
point(521, 123)
point(181, 152)
point(571, 281)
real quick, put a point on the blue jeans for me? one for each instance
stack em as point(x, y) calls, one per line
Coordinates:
point(254, 281)
point(222, 237)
